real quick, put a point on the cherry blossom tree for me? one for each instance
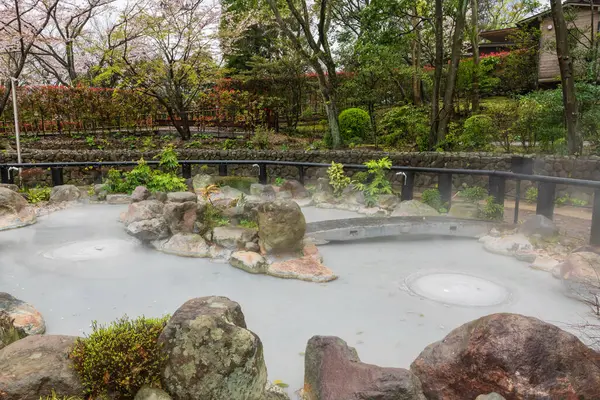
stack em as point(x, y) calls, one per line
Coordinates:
point(21, 25)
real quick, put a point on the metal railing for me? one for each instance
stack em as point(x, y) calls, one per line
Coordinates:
point(522, 168)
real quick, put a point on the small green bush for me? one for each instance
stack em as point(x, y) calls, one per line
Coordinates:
point(337, 178)
point(260, 140)
point(355, 124)
point(248, 224)
point(531, 195)
point(405, 126)
point(478, 133)
point(143, 175)
point(376, 183)
point(228, 144)
point(433, 198)
point(38, 194)
point(492, 211)
point(473, 194)
point(54, 396)
point(120, 358)
point(168, 159)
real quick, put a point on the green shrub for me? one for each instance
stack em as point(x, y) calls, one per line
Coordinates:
point(376, 183)
point(492, 211)
point(228, 144)
point(260, 140)
point(8, 332)
point(143, 175)
point(531, 195)
point(168, 159)
point(248, 224)
point(473, 194)
point(279, 181)
point(405, 126)
point(38, 194)
point(478, 133)
point(120, 358)
point(54, 396)
point(433, 198)
point(337, 178)
point(354, 123)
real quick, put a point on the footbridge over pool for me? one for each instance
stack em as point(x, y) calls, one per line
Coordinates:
point(369, 227)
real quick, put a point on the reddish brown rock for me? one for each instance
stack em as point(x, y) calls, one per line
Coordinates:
point(24, 315)
point(15, 212)
point(306, 268)
point(333, 371)
point(512, 355)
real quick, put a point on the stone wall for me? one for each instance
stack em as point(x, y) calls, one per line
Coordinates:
point(579, 168)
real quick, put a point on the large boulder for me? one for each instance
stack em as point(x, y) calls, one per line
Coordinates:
point(180, 216)
point(295, 188)
point(464, 210)
point(24, 315)
point(10, 186)
point(14, 210)
point(146, 209)
point(414, 208)
point(117, 199)
point(281, 226)
point(333, 371)
point(387, 201)
point(539, 225)
point(509, 245)
point(249, 261)
point(140, 193)
point(184, 245)
point(64, 193)
point(150, 393)
point(233, 237)
point(182, 197)
point(305, 268)
point(580, 273)
point(210, 353)
point(37, 366)
point(512, 355)
point(148, 229)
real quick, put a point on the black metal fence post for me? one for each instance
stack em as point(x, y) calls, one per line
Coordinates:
point(5, 175)
point(262, 174)
point(186, 171)
point(445, 188)
point(57, 176)
point(545, 200)
point(408, 186)
point(222, 169)
point(595, 232)
point(497, 187)
point(301, 174)
point(520, 165)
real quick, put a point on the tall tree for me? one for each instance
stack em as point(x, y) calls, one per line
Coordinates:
point(21, 24)
point(574, 141)
point(450, 84)
point(60, 51)
point(416, 58)
point(312, 42)
point(475, 46)
point(437, 74)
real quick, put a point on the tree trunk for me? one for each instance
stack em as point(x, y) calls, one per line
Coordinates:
point(185, 132)
point(332, 118)
point(475, 44)
point(574, 142)
point(437, 76)
point(5, 95)
point(416, 60)
point(452, 72)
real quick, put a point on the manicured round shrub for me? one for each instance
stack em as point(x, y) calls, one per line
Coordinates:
point(120, 358)
point(354, 123)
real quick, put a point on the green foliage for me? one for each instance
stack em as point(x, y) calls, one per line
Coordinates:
point(143, 175)
point(228, 144)
point(376, 183)
point(248, 224)
point(120, 358)
point(503, 113)
point(492, 211)
point(433, 198)
point(473, 194)
point(38, 194)
point(531, 195)
point(54, 396)
point(405, 126)
point(8, 332)
point(478, 133)
point(279, 181)
point(337, 178)
point(260, 140)
point(562, 200)
point(168, 159)
point(354, 123)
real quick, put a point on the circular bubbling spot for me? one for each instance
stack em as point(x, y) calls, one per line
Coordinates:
point(458, 289)
point(91, 250)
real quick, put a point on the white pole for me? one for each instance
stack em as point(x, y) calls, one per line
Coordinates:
point(16, 113)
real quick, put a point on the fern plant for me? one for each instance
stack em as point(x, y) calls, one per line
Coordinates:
point(376, 183)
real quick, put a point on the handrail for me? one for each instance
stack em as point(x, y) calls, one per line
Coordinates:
point(497, 180)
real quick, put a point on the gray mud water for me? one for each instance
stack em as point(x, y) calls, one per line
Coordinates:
point(78, 264)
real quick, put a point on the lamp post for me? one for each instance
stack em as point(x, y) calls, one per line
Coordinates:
point(16, 113)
